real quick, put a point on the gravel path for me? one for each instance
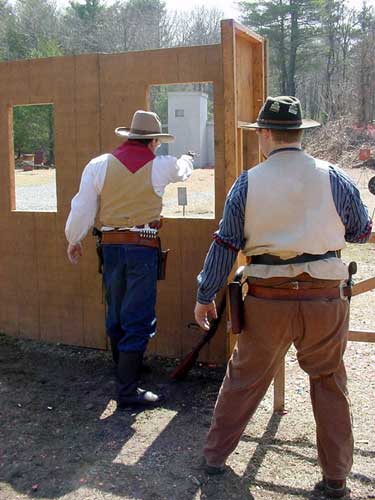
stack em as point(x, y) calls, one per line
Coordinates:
point(37, 198)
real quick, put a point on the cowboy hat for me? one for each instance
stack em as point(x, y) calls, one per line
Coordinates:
point(282, 113)
point(145, 125)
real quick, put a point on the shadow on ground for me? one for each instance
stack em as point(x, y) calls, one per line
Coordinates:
point(60, 435)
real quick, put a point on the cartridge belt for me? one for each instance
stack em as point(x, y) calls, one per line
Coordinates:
point(129, 238)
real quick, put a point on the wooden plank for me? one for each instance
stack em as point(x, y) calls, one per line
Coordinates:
point(13, 88)
point(250, 35)
point(245, 79)
point(362, 336)
point(258, 79)
point(41, 86)
point(92, 95)
point(372, 237)
point(240, 155)
point(170, 329)
point(230, 115)
point(230, 102)
point(363, 286)
point(279, 389)
point(200, 64)
point(192, 258)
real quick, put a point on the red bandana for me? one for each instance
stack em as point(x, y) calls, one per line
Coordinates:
point(133, 155)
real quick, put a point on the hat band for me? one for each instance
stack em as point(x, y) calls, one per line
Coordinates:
point(143, 132)
point(280, 122)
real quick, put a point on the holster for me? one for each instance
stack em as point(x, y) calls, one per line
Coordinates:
point(99, 250)
point(236, 303)
point(236, 306)
point(162, 262)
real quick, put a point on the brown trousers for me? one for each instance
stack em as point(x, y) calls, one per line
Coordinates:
point(318, 329)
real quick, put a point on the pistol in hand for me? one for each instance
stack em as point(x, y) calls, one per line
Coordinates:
point(193, 154)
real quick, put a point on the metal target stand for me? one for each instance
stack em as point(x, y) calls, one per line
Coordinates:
point(371, 188)
point(364, 177)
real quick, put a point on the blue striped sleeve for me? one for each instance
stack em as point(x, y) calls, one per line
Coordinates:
point(349, 206)
point(228, 240)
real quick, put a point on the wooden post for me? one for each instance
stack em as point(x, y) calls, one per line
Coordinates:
point(279, 389)
point(361, 336)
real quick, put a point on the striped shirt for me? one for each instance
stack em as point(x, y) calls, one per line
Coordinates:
point(229, 238)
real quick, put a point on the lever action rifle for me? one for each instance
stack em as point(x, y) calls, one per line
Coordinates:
point(180, 372)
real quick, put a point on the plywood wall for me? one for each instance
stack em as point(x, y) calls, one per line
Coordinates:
point(44, 297)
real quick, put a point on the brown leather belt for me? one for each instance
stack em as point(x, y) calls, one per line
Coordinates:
point(128, 238)
point(263, 292)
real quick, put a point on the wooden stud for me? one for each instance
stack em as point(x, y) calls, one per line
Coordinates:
point(361, 336)
point(279, 389)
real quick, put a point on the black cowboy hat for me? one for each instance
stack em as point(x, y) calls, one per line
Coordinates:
point(282, 113)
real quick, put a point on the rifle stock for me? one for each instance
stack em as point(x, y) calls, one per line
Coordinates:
point(180, 372)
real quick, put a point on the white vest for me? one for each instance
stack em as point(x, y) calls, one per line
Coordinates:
point(289, 211)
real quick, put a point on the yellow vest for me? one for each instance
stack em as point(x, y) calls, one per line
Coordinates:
point(128, 199)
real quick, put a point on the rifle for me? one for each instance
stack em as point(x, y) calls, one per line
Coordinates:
point(180, 372)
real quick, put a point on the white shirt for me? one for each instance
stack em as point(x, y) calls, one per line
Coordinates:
point(84, 206)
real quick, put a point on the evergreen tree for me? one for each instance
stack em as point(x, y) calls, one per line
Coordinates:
point(289, 26)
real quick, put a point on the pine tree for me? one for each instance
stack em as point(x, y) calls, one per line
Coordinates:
point(289, 26)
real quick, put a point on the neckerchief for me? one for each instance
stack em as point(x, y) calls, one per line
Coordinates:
point(133, 155)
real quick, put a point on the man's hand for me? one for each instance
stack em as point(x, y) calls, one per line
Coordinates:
point(74, 252)
point(193, 154)
point(204, 313)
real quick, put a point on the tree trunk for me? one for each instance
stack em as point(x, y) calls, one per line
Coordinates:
point(294, 41)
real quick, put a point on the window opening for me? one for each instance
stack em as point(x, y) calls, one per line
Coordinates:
point(34, 158)
point(187, 111)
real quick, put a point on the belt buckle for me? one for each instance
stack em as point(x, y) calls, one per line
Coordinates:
point(295, 285)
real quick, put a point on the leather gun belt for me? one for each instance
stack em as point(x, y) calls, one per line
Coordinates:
point(274, 260)
point(129, 238)
point(263, 292)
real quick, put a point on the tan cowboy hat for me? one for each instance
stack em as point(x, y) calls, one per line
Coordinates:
point(145, 125)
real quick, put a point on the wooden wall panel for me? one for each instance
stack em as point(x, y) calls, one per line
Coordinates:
point(244, 77)
point(42, 296)
point(188, 239)
point(242, 55)
point(168, 341)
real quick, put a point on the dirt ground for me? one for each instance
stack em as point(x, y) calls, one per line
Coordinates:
point(61, 438)
point(200, 193)
point(35, 177)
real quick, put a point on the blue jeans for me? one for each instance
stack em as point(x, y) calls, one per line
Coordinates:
point(130, 278)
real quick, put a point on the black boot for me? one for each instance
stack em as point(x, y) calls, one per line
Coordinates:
point(116, 354)
point(128, 392)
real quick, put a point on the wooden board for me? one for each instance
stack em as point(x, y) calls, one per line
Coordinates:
point(242, 54)
point(42, 295)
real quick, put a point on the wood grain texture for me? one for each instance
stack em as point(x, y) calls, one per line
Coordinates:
point(42, 295)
